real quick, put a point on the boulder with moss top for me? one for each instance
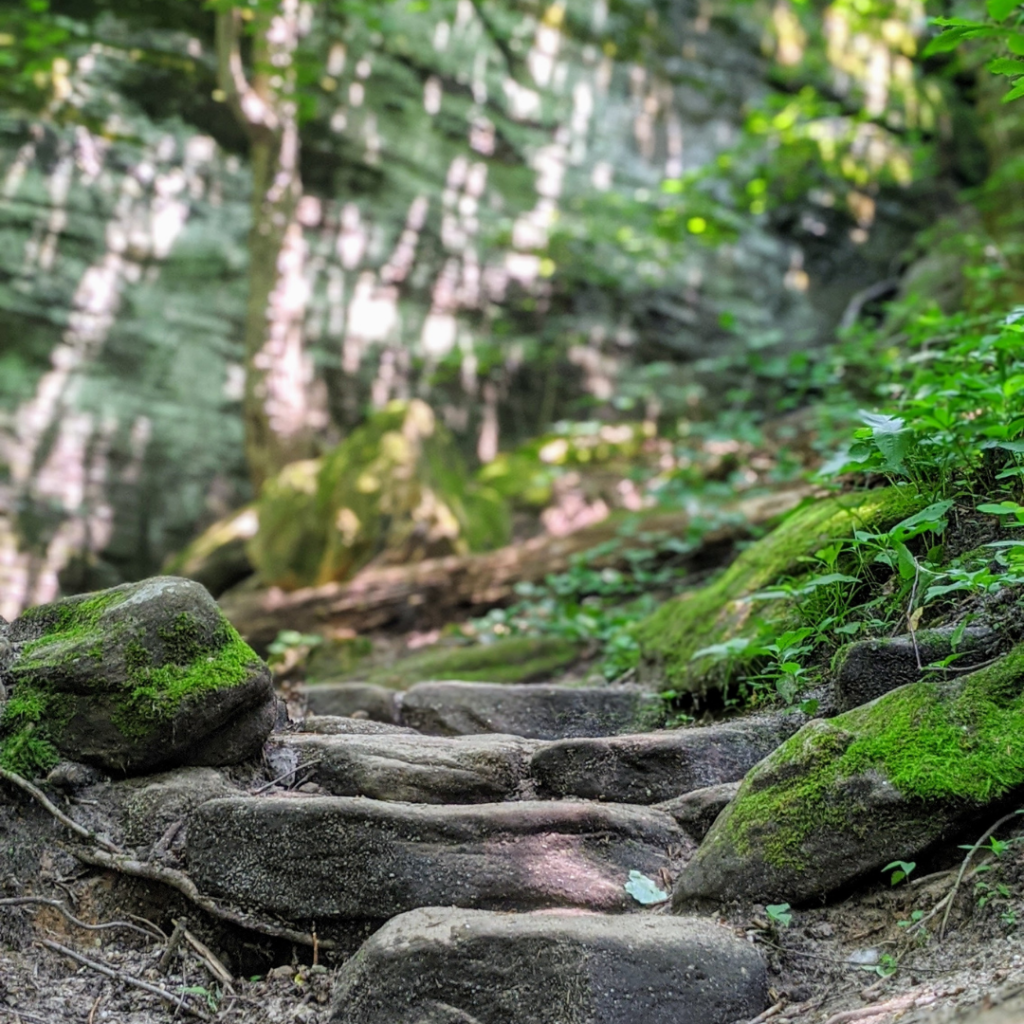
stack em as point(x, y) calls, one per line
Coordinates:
point(728, 608)
point(141, 676)
point(395, 491)
point(885, 781)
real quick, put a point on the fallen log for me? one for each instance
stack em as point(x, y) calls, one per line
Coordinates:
point(427, 594)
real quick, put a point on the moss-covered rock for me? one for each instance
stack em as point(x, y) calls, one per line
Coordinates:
point(882, 782)
point(517, 659)
point(394, 491)
point(726, 609)
point(141, 675)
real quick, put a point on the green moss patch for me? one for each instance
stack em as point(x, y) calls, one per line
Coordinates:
point(723, 610)
point(517, 659)
point(945, 744)
point(396, 488)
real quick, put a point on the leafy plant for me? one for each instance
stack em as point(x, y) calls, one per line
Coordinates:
point(901, 870)
point(779, 914)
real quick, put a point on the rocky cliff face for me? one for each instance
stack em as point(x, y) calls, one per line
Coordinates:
point(466, 171)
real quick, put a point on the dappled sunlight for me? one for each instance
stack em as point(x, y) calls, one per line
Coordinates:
point(56, 453)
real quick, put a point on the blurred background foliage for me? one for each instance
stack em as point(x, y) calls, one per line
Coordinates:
point(338, 284)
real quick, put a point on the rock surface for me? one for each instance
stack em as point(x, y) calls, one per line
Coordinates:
point(316, 858)
point(141, 676)
point(343, 699)
point(417, 769)
point(869, 668)
point(534, 710)
point(652, 767)
point(696, 812)
point(846, 795)
point(341, 725)
point(449, 966)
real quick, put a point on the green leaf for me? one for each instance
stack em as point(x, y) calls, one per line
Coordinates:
point(1000, 10)
point(779, 914)
point(644, 890)
point(1006, 66)
point(945, 42)
point(1015, 93)
point(928, 520)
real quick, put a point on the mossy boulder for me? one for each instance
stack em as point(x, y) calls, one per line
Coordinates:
point(517, 659)
point(727, 609)
point(883, 782)
point(395, 491)
point(143, 675)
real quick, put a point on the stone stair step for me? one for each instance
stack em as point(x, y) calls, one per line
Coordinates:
point(342, 725)
point(445, 965)
point(412, 768)
point(536, 710)
point(655, 766)
point(339, 699)
point(320, 858)
point(695, 812)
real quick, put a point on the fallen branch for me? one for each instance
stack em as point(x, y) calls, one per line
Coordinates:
point(80, 830)
point(967, 860)
point(904, 1002)
point(178, 1002)
point(179, 881)
point(24, 901)
point(772, 1011)
point(439, 590)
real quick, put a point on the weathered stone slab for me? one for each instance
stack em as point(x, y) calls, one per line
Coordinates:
point(140, 676)
point(418, 769)
point(316, 858)
point(867, 669)
point(449, 966)
point(656, 766)
point(340, 699)
point(695, 812)
point(537, 711)
point(341, 725)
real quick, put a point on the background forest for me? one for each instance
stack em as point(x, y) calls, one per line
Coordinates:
point(605, 255)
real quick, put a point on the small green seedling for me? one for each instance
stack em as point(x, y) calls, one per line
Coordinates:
point(885, 968)
point(900, 869)
point(915, 916)
point(779, 914)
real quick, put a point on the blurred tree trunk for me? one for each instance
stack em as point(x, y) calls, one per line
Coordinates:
point(276, 385)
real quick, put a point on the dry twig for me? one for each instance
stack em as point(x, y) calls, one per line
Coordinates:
point(110, 972)
point(294, 771)
point(967, 860)
point(182, 883)
point(772, 1011)
point(24, 901)
point(904, 1002)
point(114, 859)
point(80, 830)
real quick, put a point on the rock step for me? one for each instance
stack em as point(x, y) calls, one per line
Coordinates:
point(536, 711)
point(411, 768)
point(644, 768)
point(450, 966)
point(533, 710)
point(320, 858)
point(656, 766)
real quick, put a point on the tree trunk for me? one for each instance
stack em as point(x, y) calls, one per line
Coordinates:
point(275, 408)
point(440, 590)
